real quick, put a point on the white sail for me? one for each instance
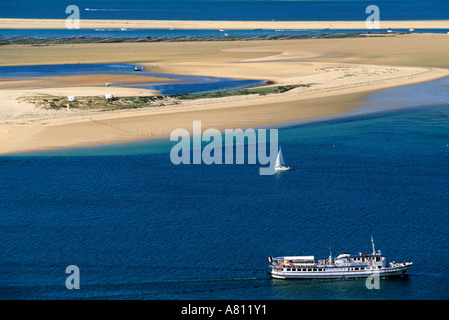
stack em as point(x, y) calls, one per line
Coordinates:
point(280, 159)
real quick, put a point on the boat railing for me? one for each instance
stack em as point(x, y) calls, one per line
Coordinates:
point(324, 263)
point(292, 264)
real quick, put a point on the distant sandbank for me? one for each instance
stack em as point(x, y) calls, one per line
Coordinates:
point(211, 25)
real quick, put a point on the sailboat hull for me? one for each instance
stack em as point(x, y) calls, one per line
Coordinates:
point(282, 168)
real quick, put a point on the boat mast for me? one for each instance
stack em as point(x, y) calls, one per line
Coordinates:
point(372, 242)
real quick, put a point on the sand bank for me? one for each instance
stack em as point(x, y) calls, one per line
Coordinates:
point(211, 25)
point(341, 71)
point(79, 81)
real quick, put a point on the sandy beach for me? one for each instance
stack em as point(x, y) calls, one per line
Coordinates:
point(229, 25)
point(340, 73)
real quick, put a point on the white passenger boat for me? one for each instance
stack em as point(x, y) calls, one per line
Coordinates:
point(345, 266)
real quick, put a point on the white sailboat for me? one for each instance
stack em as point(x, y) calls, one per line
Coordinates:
point(280, 164)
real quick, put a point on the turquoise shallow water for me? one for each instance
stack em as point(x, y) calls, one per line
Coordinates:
point(139, 227)
point(182, 83)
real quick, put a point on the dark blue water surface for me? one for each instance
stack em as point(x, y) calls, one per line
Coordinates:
point(228, 10)
point(140, 227)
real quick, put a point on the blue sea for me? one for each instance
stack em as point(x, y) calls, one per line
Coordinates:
point(258, 10)
point(233, 10)
point(140, 227)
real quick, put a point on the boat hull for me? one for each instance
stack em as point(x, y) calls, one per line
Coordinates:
point(282, 168)
point(399, 271)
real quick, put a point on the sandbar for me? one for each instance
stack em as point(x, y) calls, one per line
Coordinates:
point(10, 23)
point(341, 72)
